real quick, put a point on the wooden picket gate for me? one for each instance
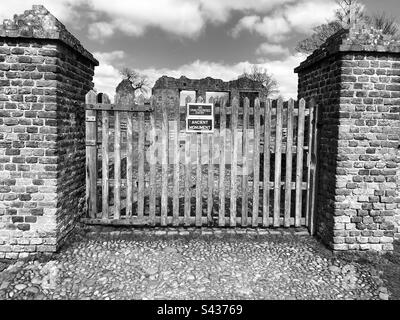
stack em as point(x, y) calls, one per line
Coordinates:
point(257, 169)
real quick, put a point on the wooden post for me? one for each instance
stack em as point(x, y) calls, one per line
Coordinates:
point(91, 155)
point(299, 165)
point(245, 178)
point(129, 165)
point(164, 165)
point(234, 122)
point(117, 164)
point(256, 163)
point(309, 154)
point(199, 173)
point(141, 165)
point(222, 132)
point(153, 164)
point(289, 160)
point(188, 170)
point(141, 154)
point(177, 154)
point(314, 169)
point(267, 162)
point(124, 96)
point(278, 164)
point(105, 122)
point(210, 199)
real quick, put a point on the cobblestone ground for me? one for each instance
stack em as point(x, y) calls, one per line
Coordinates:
point(212, 264)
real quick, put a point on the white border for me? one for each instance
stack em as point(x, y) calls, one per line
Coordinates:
point(210, 117)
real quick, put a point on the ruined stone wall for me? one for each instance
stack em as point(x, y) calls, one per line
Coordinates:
point(168, 89)
point(44, 79)
point(355, 79)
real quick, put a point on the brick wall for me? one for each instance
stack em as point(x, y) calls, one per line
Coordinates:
point(44, 78)
point(355, 78)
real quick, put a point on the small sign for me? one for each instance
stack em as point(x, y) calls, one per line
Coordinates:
point(200, 109)
point(196, 125)
point(200, 118)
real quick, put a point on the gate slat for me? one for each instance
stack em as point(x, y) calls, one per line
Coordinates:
point(210, 198)
point(164, 164)
point(245, 179)
point(117, 164)
point(309, 152)
point(129, 165)
point(299, 164)
point(222, 132)
point(256, 163)
point(314, 169)
point(188, 186)
point(176, 168)
point(105, 124)
point(210, 183)
point(153, 166)
point(141, 165)
point(267, 162)
point(198, 181)
point(234, 124)
point(187, 179)
point(289, 160)
point(278, 164)
point(199, 187)
point(91, 155)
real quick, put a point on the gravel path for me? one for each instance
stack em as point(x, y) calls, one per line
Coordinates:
point(214, 264)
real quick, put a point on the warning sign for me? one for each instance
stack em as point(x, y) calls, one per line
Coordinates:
point(200, 125)
point(200, 110)
point(200, 117)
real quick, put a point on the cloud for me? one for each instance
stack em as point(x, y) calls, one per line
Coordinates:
point(109, 56)
point(178, 17)
point(184, 18)
point(220, 11)
point(107, 74)
point(299, 17)
point(274, 28)
point(272, 49)
point(101, 30)
point(305, 15)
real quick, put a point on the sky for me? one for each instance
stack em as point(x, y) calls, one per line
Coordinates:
point(194, 38)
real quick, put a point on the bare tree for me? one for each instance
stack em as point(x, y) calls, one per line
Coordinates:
point(139, 81)
point(320, 35)
point(261, 75)
point(349, 11)
point(386, 23)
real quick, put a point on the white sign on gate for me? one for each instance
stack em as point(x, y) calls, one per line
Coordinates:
point(200, 118)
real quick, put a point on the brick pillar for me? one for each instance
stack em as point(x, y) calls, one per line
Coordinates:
point(44, 76)
point(355, 78)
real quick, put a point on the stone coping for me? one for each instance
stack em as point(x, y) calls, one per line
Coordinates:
point(39, 23)
point(359, 38)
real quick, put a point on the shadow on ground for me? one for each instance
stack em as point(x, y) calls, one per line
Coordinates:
point(387, 265)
